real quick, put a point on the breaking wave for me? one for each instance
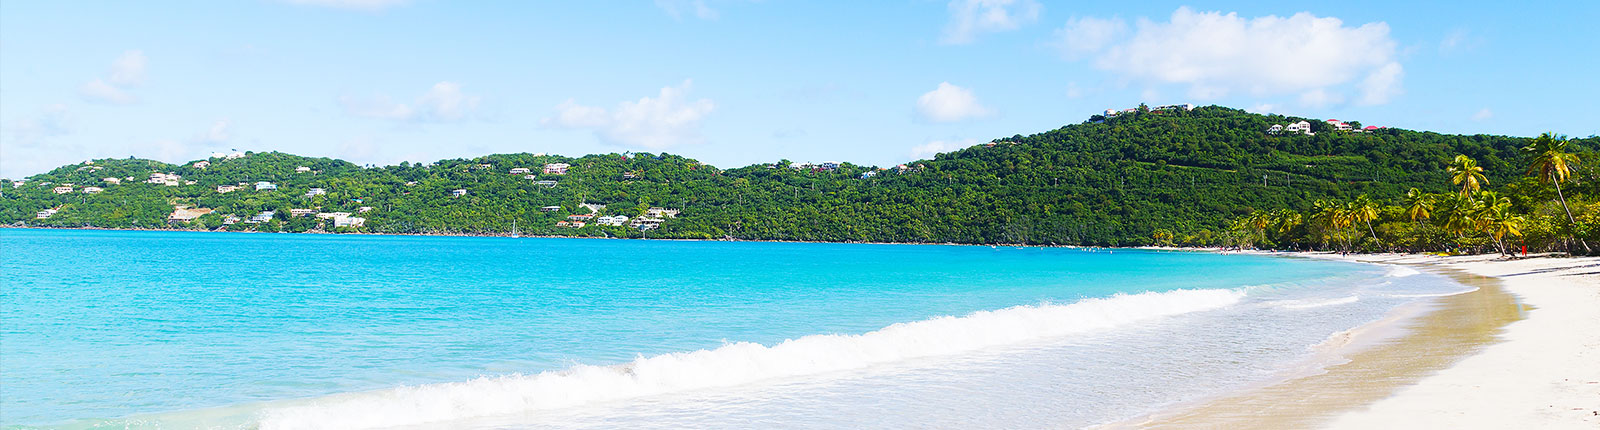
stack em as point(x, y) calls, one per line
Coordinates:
point(1396, 271)
point(733, 364)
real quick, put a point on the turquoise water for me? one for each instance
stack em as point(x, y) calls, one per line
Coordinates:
point(175, 329)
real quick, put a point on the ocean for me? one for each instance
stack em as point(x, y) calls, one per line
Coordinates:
point(170, 330)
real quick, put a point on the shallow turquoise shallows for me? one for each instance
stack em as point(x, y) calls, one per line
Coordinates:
point(174, 330)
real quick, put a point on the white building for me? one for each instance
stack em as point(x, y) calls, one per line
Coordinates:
point(261, 217)
point(1339, 125)
point(92, 190)
point(458, 192)
point(224, 189)
point(550, 209)
point(167, 179)
point(644, 223)
point(302, 212)
point(349, 221)
point(264, 185)
point(316, 192)
point(112, 181)
point(63, 190)
point(520, 171)
point(45, 213)
point(615, 221)
point(1299, 127)
point(661, 213)
point(202, 164)
point(556, 168)
point(302, 169)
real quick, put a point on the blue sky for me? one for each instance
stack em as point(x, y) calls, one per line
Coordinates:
point(739, 82)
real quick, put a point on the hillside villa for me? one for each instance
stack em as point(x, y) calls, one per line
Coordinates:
point(182, 214)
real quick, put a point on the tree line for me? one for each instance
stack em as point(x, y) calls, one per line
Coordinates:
point(1101, 182)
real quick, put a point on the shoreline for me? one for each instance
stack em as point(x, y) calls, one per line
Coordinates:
point(1518, 352)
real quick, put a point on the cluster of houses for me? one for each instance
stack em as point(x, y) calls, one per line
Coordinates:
point(168, 179)
point(1299, 127)
point(824, 167)
point(651, 219)
point(339, 219)
point(1164, 108)
point(1304, 127)
point(68, 188)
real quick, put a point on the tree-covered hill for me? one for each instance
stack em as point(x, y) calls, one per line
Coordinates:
point(1106, 181)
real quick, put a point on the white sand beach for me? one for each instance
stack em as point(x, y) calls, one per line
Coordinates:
point(1519, 353)
point(1543, 374)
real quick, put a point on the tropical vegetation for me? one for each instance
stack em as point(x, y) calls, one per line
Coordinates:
point(1211, 176)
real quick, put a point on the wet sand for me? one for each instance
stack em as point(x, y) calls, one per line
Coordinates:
point(1422, 375)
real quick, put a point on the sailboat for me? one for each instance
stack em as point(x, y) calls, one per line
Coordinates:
point(514, 229)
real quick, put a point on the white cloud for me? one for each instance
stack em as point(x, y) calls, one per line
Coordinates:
point(676, 8)
point(949, 103)
point(1483, 115)
point(127, 71)
point(1216, 54)
point(99, 91)
point(935, 147)
point(670, 119)
point(1459, 41)
point(968, 18)
point(1088, 35)
point(1073, 91)
point(1319, 97)
point(366, 5)
point(56, 120)
point(444, 102)
point(219, 132)
point(1263, 108)
point(1383, 84)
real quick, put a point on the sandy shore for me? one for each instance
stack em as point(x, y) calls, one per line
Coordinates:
point(1520, 352)
point(1544, 373)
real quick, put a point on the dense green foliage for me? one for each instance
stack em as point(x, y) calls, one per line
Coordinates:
point(1531, 211)
point(1109, 181)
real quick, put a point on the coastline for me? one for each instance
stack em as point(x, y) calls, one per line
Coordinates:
point(1516, 353)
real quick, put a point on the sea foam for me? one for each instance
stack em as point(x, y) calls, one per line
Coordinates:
point(733, 364)
point(1396, 271)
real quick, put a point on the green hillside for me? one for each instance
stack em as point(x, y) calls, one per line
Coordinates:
point(1106, 181)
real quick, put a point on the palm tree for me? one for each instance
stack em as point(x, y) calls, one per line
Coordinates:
point(1464, 171)
point(1457, 214)
point(1363, 209)
point(1332, 215)
point(1419, 205)
point(1551, 163)
point(1499, 221)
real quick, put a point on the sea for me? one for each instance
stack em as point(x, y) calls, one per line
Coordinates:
point(176, 330)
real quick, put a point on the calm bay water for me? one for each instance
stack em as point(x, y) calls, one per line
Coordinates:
point(175, 330)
